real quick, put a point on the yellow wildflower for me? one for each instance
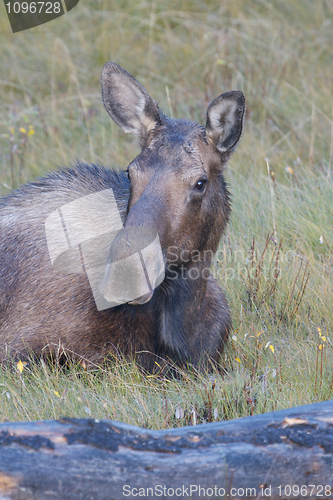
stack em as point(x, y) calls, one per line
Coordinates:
point(20, 366)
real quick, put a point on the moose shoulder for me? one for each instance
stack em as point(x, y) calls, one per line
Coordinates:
point(172, 200)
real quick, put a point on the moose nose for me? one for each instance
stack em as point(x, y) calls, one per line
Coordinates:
point(135, 266)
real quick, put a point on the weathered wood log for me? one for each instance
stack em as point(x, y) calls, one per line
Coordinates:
point(284, 454)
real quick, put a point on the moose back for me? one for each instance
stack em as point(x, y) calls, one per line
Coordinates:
point(139, 284)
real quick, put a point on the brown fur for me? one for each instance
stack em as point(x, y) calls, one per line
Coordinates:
point(186, 320)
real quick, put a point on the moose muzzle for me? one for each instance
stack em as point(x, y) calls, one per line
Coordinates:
point(135, 266)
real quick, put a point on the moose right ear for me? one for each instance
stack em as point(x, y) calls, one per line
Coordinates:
point(225, 120)
point(127, 102)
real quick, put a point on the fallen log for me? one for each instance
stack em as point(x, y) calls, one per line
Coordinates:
point(279, 455)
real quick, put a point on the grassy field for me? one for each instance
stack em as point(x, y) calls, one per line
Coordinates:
point(275, 261)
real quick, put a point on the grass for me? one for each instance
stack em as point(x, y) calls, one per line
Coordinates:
point(275, 261)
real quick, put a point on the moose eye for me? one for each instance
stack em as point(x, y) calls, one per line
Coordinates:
point(200, 185)
point(128, 174)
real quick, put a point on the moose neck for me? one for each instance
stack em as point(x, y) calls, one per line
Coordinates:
point(179, 300)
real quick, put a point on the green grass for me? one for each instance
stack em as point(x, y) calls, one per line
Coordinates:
point(186, 53)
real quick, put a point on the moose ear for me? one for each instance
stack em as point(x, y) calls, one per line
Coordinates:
point(127, 102)
point(225, 119)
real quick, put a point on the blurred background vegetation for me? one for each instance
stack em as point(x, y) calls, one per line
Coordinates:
point(275, 261)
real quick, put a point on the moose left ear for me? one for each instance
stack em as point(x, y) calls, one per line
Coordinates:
point(225, 120)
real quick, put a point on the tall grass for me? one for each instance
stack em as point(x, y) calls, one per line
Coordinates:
point(275, 261)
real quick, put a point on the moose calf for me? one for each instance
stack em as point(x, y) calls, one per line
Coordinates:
point(172, 196)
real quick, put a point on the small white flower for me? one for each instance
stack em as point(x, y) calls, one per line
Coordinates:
point(179, 412)
point(194, 416)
